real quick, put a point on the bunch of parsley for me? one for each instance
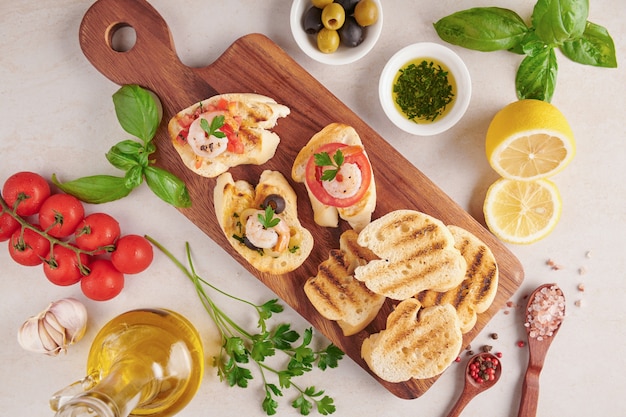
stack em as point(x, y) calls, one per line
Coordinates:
point(242, 348)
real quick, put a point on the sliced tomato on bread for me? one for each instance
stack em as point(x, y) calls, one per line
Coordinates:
point(338, 176)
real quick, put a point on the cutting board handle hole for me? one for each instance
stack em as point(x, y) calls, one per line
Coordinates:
point(122, 37)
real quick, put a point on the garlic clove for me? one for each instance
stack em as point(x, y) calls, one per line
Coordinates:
point(46, 340)
point(71, 314)
point(55, 330)
point(28, 336)
point(62, 323)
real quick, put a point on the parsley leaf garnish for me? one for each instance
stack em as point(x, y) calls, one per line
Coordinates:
point(242, 349)
point(213, 128)
point(323, 159)
point(267, 219)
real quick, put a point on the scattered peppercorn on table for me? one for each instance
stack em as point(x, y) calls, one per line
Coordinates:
point(59, 118)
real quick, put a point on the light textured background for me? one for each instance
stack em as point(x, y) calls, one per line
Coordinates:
point(58, 118)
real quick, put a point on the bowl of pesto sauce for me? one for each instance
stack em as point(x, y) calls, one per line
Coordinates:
point(425, 88)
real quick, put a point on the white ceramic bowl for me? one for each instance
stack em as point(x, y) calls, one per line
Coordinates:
point(439, 53)
point(344, 54)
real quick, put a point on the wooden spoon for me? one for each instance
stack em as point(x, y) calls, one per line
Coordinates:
point(538, 346)
point(473, 388)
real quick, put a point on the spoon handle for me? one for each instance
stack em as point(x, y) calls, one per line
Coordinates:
point(530, 394)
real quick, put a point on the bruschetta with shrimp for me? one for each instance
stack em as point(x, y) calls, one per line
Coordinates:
point(261, 223)
point(225, 131)
point(338, 177)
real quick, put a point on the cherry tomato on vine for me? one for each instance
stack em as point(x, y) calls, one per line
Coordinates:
point(97, 230)
point(28, 248)
point(60, 214)
point(61, 266)
point(8, 225)
point(29, 188)
point(132, 254)
point(103, 282)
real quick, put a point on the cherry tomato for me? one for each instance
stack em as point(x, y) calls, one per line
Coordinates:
point(97, 230)
point(133, 254)
point(8, 225)
point(30, 189)
point(28, 248)
point(61, 267)
point(60, 214)
point(351, 154)
point(103, 282)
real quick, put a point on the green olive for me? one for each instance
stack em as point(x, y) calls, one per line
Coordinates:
point(366, 12)
point(327, 40)
point(321, 3)
point(333, 16)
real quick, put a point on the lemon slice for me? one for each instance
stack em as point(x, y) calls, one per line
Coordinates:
point(529, 139)
point(522, 212)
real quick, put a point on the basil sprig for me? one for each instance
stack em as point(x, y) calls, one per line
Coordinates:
point(555, 24)
point(138, 114)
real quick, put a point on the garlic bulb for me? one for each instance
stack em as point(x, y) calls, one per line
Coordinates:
point(61, 324)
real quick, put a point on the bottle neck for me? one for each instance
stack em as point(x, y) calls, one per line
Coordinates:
point(116, 395)
point(89, 404)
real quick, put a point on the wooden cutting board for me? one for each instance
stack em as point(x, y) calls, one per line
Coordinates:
point(254, 63)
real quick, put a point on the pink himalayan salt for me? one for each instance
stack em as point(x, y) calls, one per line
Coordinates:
point(545, 312)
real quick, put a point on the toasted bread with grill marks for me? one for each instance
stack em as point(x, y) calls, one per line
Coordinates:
point(416, 253)
point(417, 342)
point(477, 291)
point(335, 293)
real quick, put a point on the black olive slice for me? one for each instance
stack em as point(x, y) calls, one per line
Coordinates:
point(275, 201)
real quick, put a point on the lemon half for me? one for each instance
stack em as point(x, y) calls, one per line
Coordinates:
point(522, 212)
point(529, 139)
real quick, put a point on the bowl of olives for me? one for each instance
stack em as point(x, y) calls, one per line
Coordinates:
point(425, 88)
point(336, 32)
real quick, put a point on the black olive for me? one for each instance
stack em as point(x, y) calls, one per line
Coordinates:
point(351, 33)
point(275, 201)
point(313, 20)
point(248, 244)
point(348, 5)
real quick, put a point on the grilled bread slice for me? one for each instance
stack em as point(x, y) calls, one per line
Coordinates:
point(233, 199)
point(334, 292)
point(477, 291)
point(358, 214)
point(416, 253)
point(247, 120)
point(417, 342)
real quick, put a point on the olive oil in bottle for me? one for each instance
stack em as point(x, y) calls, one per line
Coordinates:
point(145, 362)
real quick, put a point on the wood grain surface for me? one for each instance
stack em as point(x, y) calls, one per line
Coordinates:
point(254, 63)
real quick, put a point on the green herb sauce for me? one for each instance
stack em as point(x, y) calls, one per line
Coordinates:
point(423, 90)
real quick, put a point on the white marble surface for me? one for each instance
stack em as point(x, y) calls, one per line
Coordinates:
point(58, 118)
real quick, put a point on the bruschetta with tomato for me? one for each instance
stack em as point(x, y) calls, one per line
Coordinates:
point(261, 223)
point(338, 177)
point(225, 131)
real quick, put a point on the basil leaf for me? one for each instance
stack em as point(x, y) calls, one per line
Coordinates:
point(532, 45)
point(536, 76)
point(558, 21)
point(595, 48)
point(167, 186)
point(125, 155)
point(136, 111)
point(134, 177)
point(482, 29)
point(95, 189)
